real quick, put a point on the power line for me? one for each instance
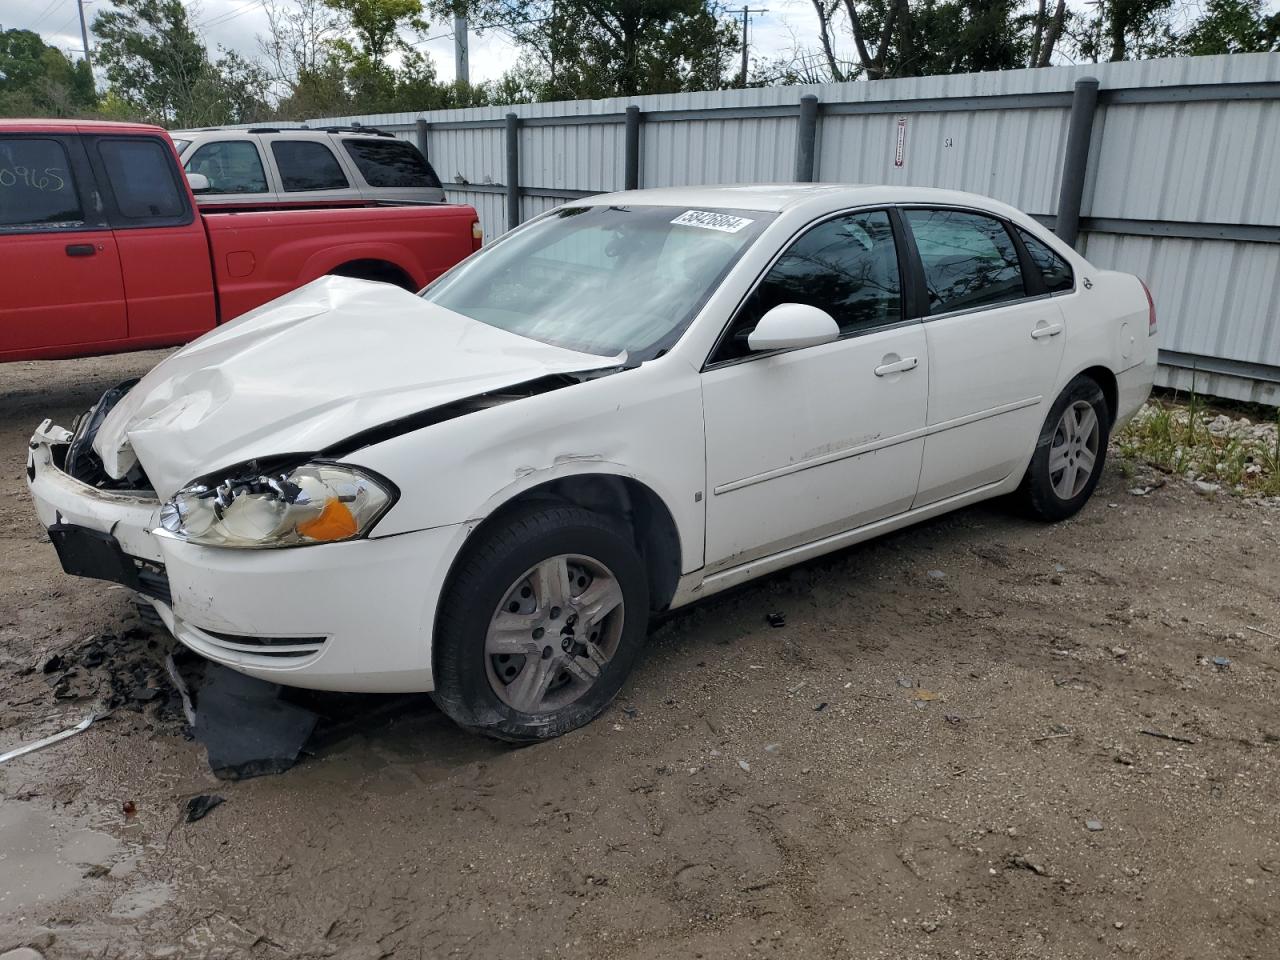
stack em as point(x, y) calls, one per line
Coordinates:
point(40, 19)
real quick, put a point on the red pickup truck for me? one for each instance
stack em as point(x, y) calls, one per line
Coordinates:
point(103, 249)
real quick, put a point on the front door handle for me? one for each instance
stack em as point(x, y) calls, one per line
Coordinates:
point(79, 249)
point(1046, 330)
point(898, 366)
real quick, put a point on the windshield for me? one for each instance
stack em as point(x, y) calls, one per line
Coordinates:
point(602, 280)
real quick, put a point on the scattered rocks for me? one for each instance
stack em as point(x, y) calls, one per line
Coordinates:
point(1205, 488)
point(199, 807)
point(1093, 825)
point(1022, 861)
point(937, 575)
point(22, 953)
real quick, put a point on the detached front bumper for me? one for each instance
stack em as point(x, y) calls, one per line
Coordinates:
point(354, 616)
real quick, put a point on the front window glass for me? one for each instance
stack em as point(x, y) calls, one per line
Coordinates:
point(969, 259)
point(847, 267)
point(232, 166)
point(36, 190)
point(601, 280)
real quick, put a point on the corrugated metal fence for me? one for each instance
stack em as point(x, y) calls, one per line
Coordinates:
point(1173, 174)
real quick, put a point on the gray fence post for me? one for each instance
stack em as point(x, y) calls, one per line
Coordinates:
point(806, 138)
point(631, 169)
point(422, 137)
point(513, 171)
point(1075, 159)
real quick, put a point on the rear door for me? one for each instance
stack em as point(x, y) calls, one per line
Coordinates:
point(392, 169)
point(58, 256)
point(309, 170)
point(164, 253)
point(995, 343)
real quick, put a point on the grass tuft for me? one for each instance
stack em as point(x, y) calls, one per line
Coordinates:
point(1190, 440)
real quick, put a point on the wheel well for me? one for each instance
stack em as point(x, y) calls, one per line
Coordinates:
point(381, 271)
point(627, 500)
point(1106, 380)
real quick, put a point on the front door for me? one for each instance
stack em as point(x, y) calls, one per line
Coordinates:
point(807, 443)
point(58, 256)
point(995, 344)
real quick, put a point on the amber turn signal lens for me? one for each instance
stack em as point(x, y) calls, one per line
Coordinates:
point(336, 522)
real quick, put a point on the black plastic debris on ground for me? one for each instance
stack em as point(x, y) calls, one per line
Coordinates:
point(199, 807)
point(247, 728)
point(776, 619)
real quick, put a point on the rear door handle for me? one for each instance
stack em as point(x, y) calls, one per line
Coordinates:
point(899, 366)
point(1047, 330)
point(80, 250)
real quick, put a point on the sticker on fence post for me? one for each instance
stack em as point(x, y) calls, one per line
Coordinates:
point(900, 149)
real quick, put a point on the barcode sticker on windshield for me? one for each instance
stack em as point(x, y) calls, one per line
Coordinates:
point(712, 221)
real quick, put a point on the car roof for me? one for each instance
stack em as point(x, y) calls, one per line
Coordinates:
point(778, 197)
point(82, 126)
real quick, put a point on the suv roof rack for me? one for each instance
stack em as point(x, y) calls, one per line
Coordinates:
point(358, 128)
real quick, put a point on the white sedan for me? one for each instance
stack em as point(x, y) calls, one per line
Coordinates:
point(625, 405)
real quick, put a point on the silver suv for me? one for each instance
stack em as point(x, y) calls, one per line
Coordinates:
point(268, 164)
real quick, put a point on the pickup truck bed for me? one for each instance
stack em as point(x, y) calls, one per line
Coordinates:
point(104, 249)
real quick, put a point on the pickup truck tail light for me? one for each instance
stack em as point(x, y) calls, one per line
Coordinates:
point(477, 238)
point(1151, 309)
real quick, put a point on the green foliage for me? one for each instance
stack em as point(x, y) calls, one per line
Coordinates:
point(1230, 26)
point(37, 80)
point(157, 65)
point(576, 49)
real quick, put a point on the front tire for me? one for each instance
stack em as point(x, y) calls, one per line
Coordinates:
point(1070, 453)
point(540, 624)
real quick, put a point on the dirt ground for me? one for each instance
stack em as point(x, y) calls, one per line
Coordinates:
point(941, 754)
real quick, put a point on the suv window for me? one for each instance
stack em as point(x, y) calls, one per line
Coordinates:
point(36, 188)
point(1055, 271)
point(391, 163)
point(140, 171)
point(847, 266)
point(307, 165)
point(232, 166)
point(969, 259)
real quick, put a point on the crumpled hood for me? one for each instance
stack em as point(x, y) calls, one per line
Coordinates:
point(310, 369)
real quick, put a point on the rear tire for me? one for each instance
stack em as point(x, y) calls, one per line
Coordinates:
point(1070, 453)
point(540, 624)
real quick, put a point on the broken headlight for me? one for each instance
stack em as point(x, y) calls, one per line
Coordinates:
point(313, 503)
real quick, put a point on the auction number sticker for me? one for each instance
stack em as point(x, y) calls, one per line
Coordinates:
point(712, 221)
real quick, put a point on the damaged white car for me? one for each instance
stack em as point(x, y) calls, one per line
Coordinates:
point(622, 406)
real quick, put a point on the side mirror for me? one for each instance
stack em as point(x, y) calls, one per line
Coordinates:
point(791, 325)
point(198, 181)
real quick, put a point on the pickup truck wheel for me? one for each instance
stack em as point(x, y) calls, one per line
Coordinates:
point(541, 624)
point(1070, 453)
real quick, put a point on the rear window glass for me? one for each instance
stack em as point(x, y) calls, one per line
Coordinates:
point(391, 163)
point(140, 172)
point(36, 188)
point(232, 166)
point(307, 165)
point(1055, 271)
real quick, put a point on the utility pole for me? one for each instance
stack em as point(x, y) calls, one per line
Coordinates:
point(746, 20)
point(84, 36)
point(461, 68)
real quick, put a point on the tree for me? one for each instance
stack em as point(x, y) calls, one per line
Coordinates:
point(1125, 30)
point(899, 38)
point(574, 49)
point(37, 80)
point(156, 64)
point(1231, 26)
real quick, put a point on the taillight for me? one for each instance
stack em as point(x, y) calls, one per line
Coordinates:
point(477, 238)
point(1151, 310)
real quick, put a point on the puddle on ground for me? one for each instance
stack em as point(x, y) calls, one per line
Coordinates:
point(40, 859)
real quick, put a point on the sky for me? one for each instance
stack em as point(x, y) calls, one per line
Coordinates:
point(234, 24)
